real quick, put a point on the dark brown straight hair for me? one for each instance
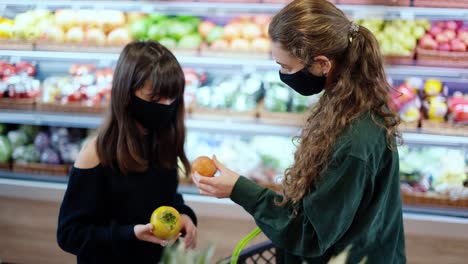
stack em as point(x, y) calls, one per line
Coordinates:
point(357, 85)
point(120, 145)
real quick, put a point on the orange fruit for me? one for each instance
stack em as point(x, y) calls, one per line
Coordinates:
point(204, 166)
point(166, 222)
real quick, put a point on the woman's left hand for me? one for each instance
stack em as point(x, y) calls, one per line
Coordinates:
point(190, 232)
point(220, 186)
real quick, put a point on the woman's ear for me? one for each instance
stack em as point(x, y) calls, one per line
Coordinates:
point(321, 66)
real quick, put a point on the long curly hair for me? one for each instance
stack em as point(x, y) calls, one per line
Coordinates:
point(356, 85)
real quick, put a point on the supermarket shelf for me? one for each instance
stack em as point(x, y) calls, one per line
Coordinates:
point(225, 62)
point(5, 174)
point(230, 126)
point(50, 119)
point(216, 8)
point(415, 223)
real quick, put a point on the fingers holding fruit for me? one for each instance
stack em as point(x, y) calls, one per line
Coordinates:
point(204, 166)
point(167, 223)
point(221, 186)
point(145, 233)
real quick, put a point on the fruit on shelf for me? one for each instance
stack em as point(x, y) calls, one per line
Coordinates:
point(436, 108)
point(95, 36)
point(192, 41)
point(204, 166)
point(205, 28)
point(397, 37)
point(54, 34)
point(240, 45)
point(403, 95)
point(75, 35)
point(17, 81)
point(109, 20)
point(244, 34)
point(433, 87)
point(86, 86)
point(54, 145)
point(216, 34)
point(262, 45)
point(447, 36)
point(31, 24)
point(119, 37)
point(6, 28)
point(428, 42)
point(66, 19)
point(458, 106)
point(172, 32)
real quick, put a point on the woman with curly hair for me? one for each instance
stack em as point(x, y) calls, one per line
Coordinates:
point(343, 187)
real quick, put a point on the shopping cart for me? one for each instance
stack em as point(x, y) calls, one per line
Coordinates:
point(262, 253)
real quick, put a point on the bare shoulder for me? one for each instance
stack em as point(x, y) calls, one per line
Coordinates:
point(88, 157)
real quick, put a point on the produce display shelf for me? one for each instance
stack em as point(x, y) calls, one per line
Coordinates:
point(248, 64)
point(215, 8)
point(187, 189)
point(229, 126)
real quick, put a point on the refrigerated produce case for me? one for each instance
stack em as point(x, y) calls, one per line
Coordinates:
point(236, 105)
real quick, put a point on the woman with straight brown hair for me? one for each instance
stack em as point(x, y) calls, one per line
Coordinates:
point(131, 168)
point(343, 188)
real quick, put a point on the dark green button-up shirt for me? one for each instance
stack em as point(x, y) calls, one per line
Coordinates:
point(356, 202)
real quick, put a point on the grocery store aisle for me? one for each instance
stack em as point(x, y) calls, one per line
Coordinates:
point(27, 231)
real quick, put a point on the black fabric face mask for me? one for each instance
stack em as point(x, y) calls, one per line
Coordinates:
point(151, 115)
point(304, 82)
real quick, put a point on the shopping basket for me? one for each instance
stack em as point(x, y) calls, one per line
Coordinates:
point(262, 253)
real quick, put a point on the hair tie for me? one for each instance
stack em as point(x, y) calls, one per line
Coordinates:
point(353, 30)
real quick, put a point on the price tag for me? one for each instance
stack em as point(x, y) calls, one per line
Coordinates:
point(407, 15)
point(2, 9)
point(104, 63)
point(15, 59)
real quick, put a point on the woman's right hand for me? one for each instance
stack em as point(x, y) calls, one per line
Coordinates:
point(145, 233)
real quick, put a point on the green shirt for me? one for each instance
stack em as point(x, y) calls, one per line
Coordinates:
point(356, 202)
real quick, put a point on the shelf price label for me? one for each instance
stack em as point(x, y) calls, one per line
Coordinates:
point(407, 15)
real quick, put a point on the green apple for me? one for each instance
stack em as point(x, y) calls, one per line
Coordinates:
point(418, 32)
point(168, 43)
point(179, 29)
point(157, 32)
point(215, 34)
point(192, 41)
point(157, 18)
point(139, 29)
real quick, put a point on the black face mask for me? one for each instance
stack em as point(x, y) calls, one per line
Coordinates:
point(304, 82)
point(152, 116)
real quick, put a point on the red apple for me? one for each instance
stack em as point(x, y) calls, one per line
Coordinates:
point(427, 42)
point(450, 34)
point(26, 67)
point(435, 30)
point(444, 47)
point(463, 35)
point(205, 28)
point(442, 38)
point(232, 31)
point(452, 25)
point(440, 24)
point(458, 45)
